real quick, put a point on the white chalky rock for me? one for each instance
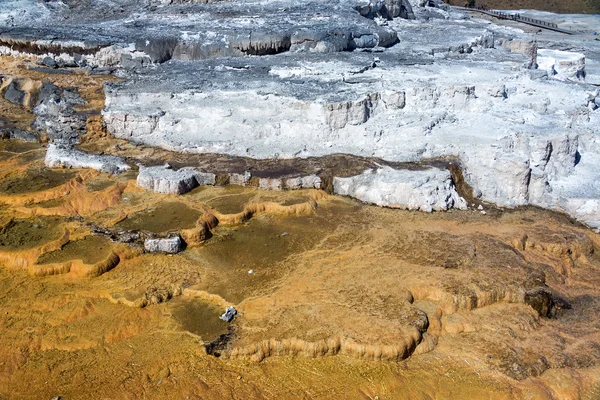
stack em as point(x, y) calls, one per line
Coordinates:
point(163, 179)
point(170, 245)
point(306, 182)
point(528, 48)
point(565, 65)
point(426, 190)
point(57, 156)
point(270, 183)
point(240, 179)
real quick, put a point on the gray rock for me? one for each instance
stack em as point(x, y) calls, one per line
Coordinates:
point(14, 94)
point(47, 92)
point(169, 245)
point(19, 134)
point(164, 179)
point(67, 157)
point(399, 8)
point(387, 9)
point(49, 62)
point(80, 60)
point(98, 33)
point(229, 314)
point(130, 61)
point(55, 114)
point(68, 63)
point(158, 49)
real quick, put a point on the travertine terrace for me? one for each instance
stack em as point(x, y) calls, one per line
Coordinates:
point(283, 199)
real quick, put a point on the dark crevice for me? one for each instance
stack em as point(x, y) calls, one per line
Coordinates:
point(217, 346)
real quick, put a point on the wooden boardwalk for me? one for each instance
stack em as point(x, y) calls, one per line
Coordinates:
point(519, 18)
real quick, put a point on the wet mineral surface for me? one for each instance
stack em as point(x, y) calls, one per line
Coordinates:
point(335, 298)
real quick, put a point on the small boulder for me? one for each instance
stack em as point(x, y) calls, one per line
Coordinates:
point(170, 245)
point(49, 62)
point(164, 179)
point(14, 94)
point(229, 314)
point(240, 179)
point(270, 183)
point(305, 182)
point(426, 190)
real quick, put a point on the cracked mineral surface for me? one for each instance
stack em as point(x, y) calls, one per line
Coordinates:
point(279, 199)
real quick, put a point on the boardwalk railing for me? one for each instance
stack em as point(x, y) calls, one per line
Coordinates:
point(519, 18)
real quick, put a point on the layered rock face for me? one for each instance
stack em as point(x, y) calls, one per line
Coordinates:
point(311, 80)
point(428, 190)
point(528, 48)
point(515, 136)
point(101, 35)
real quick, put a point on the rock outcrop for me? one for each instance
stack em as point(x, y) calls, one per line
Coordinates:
point(169, 245)
point(240, 179)
point(529, 48)
point(371, 106)
point(55, 114)
point(229, 314)
point(164, 179)
point(19, 134)
point(565, 65)
point(305, 182)
point(427, 190)
point(67, 157)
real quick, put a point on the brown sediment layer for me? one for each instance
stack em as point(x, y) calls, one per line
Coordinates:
point(76, 200)
point(423, 341)
point(150, 297)
point(28, 260)
point(205, 296)
point(28, 46)
point(368, 294)
point(267, 208)
point(212, 218)
point(73, 198)
point(451, 303)
point(324, 348)
point(76, 268)
point(147, 299)
point(25, 258)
